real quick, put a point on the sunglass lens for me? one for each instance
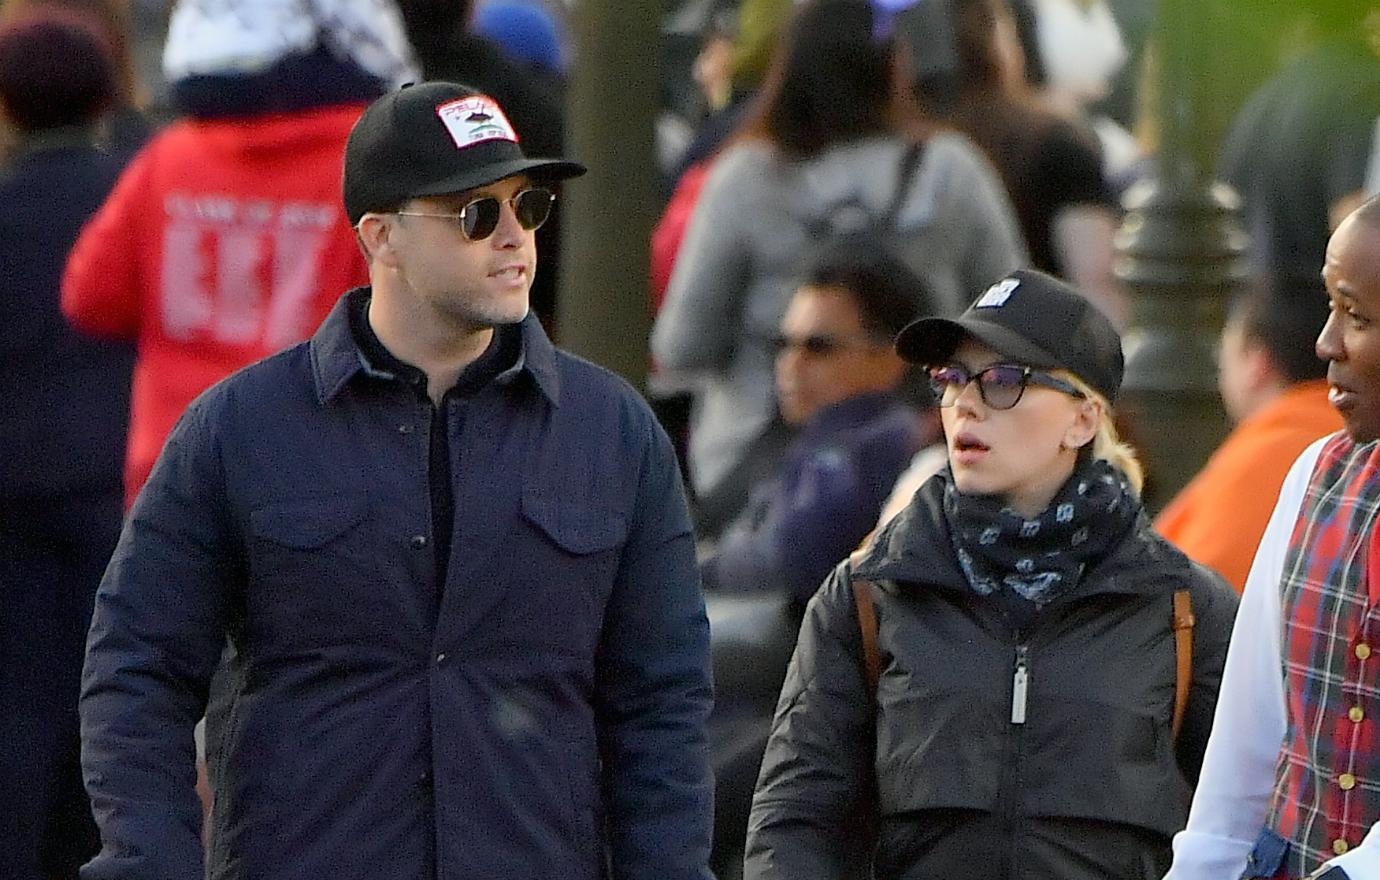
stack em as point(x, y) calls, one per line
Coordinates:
point(479, 218)
point(947, 383)
point(533, 206)
point(1002, 386)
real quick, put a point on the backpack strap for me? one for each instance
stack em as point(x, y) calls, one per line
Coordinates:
point(867, 624)
point(910, 163)
point(1183, 620)
point(1183, 655)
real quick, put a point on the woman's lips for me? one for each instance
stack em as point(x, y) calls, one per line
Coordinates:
point(967, 449)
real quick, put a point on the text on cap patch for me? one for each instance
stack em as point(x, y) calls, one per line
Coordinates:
point(475, 119)
point(997, 294)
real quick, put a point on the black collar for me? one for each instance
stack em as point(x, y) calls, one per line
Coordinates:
point(337, 355)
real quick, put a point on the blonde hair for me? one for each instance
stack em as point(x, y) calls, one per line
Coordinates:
point(1107, 444)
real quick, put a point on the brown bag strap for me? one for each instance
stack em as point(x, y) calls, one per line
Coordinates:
point(867, 623)
point(1183, 655)
point(1183, 645)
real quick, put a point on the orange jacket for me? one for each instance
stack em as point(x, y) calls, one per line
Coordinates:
point(1220, 516)
point(223, 241)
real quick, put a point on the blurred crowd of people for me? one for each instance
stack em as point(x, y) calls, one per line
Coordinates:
point(844, 169)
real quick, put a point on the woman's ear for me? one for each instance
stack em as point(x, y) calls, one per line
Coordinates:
point(1087, 419)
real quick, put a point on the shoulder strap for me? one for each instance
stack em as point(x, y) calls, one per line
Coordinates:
point(1183, 644)
point(1183, 655)
point(867, 624)
point(910, 161)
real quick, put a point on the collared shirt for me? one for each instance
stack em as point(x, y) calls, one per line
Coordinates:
point(549, 701)
point(501, 353)
point(1232, 799)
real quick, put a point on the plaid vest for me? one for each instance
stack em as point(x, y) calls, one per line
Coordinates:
point(1327, 776)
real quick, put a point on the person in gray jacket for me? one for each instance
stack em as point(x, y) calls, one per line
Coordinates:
point(1028, 710)
point(822, 156)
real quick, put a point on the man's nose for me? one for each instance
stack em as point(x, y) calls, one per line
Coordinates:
point(508, 232)
point(1329, 344)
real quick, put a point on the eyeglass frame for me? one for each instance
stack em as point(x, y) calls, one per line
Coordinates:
point(511, 202)
point(1029, 376)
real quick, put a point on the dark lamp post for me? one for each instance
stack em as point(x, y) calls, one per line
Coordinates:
point(1180, 252)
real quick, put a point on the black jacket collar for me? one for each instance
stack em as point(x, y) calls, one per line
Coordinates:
point(336, 357)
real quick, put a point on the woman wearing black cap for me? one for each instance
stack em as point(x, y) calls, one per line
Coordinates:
point(1000, 685)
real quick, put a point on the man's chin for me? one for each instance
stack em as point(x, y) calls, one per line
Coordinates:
point(1360, 432)
point(516, 317)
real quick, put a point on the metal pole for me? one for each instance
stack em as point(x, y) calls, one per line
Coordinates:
point(602, 310)
point(1181, 251)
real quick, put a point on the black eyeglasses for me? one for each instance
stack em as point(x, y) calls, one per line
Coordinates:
point(814, 345)
point(478, 219)
point(1001, 385)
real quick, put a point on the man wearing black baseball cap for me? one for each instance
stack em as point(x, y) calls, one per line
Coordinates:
point(455, 564)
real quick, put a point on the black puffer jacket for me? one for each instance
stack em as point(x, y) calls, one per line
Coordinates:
point(1091, 785)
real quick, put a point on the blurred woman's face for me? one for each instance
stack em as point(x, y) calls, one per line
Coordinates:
point(1023, 454)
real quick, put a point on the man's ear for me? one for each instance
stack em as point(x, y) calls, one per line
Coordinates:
point(374, 233)
point(1260, 368)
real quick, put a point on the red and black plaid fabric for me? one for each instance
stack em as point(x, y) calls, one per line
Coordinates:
point(1327, 778)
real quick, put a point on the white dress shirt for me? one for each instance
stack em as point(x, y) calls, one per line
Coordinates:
point(1238, 775)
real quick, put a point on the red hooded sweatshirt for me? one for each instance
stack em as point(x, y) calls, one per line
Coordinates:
point(223, 242)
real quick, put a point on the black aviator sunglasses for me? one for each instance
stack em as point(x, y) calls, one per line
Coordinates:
point(479, 218)
point(1000, 385)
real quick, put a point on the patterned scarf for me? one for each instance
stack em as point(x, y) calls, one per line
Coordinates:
point(1038, 558)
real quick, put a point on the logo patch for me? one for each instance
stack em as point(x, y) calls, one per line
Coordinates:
point(997, 295)
point(475, 119)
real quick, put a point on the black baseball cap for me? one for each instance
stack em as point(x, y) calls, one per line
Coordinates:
point(430, 139)
point(1033, 319)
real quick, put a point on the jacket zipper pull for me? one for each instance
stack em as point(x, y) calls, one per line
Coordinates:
point(1020, 682)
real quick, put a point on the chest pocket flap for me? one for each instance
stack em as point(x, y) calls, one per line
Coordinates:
point(578, 528)
point(306, 523)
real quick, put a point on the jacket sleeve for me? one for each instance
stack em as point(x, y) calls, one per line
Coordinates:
point(654, 689)
point(100, 285)
point(156, 636)
point(696, 328)
point(808, 527)
point(817, 768)
point(1214, 610)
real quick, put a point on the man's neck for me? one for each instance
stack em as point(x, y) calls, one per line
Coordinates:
point(438, 348)
point(1262, 397)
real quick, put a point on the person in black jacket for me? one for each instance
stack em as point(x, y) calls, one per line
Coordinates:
point(62, 435)
point(1022, 722)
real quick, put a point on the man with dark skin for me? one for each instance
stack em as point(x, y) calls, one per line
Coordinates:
point(1289, 784)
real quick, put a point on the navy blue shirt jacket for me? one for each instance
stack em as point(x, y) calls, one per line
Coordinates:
point(537, 712)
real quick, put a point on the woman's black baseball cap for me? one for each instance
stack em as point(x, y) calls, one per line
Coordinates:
point(430, 139)
point(1035, 320)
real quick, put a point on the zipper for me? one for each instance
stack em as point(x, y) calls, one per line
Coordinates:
point(1020, 684)
point(1020, 690)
